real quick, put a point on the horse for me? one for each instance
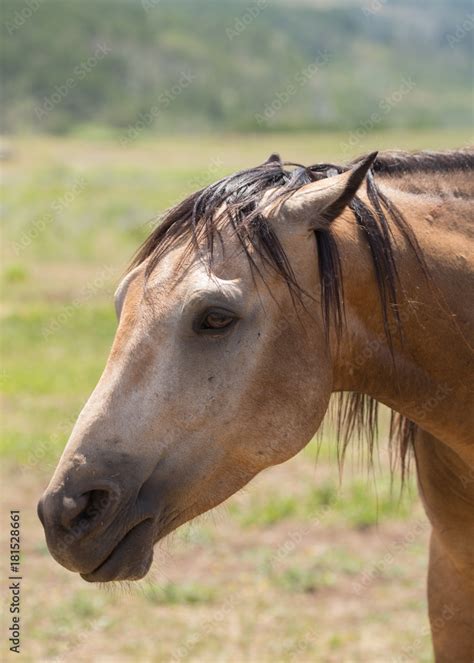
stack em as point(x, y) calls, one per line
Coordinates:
point(252, 302)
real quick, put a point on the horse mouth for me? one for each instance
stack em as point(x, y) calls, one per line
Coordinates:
point(130, 559)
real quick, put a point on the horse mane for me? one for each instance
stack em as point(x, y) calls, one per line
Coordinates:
point(236, 199)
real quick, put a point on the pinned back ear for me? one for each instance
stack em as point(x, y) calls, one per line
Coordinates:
point(318, 203)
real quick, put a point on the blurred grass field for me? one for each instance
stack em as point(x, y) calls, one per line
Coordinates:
point(294, 568)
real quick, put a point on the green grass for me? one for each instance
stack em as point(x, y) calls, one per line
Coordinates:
point(179, 593)
point(267, 512)
point(365, 505)
point(307, 581)
point(357, 502)
point(49, 376)
point(81, 608)
point(321, 571)
point(15, 273)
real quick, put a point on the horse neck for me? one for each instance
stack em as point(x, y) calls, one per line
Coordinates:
point(425, 376)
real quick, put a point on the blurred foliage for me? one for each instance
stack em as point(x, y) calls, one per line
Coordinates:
point(187, 65)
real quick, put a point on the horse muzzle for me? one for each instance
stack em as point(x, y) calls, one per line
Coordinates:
point(98, 528)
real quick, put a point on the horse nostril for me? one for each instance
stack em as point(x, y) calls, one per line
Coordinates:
point(86, 509)
point(73, 507)
point(78, 511)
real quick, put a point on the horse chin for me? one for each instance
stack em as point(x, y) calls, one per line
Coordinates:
point(129, 560)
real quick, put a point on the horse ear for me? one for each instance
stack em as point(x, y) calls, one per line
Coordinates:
point(318, 203)
point(273, 157)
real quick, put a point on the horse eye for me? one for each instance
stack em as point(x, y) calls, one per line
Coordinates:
point(215, 320)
